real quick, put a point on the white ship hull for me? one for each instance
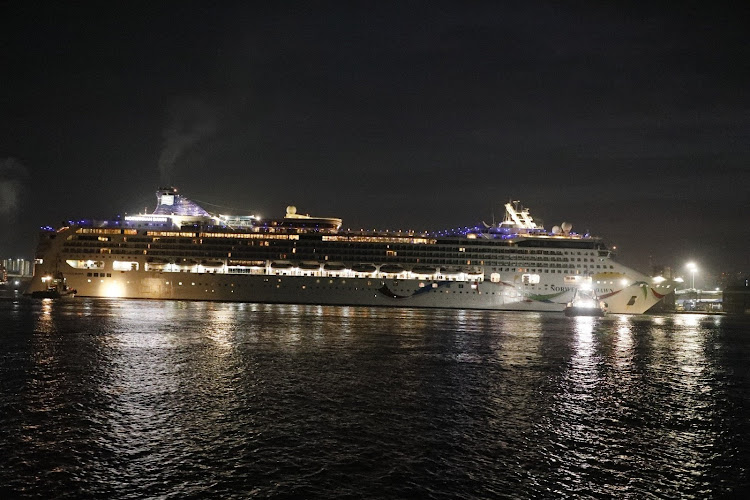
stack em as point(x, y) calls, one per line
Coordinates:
point(340, 289)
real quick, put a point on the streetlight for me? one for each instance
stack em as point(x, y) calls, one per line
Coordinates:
point(692, 268)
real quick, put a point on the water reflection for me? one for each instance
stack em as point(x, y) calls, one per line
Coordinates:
point(208, 399)
point(222, 328)
point(624, 345)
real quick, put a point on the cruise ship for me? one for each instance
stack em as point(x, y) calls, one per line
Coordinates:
point(181, 251)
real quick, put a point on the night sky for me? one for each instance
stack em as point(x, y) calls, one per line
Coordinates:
point(632, 123)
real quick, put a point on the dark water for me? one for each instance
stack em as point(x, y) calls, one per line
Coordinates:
point(159, 399)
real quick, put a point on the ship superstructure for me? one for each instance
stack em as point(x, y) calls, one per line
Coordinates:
point(181, 251)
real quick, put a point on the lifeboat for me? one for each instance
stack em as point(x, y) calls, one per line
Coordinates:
point(212, 263)
point(334, 266)
point(450, 270)
point(309, 265)
point(157, 263)
point(424, 270)
point(247, 263)
point(281, 264)
point(364, 268)
point(391, 269)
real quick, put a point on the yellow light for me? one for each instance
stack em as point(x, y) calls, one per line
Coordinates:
point(113, 289)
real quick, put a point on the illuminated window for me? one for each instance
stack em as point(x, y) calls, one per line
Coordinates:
point(120, 265)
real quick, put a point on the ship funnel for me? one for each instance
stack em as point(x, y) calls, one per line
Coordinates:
point(171, 203)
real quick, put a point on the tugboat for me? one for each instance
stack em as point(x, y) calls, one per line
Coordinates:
point(585, 303)
point(56, 288)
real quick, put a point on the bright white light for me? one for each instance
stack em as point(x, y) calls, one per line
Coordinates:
point(624, 282)
point(146, 218)
point(693, 269)
point(659, 279)
point(45, 279)
point(113, 289)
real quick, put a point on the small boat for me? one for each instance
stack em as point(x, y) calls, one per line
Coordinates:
point(54, 292)
point(57, 288)
point(334, 266)
point(585, 303)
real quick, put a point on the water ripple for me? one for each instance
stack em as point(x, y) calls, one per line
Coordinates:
point(133, 399)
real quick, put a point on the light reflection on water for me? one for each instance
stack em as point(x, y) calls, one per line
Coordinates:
point(104, 398)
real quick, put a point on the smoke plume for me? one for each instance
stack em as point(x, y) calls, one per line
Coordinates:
point(190, 122)
point(13, 177)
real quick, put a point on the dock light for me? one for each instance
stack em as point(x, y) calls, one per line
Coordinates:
point(693, 269)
